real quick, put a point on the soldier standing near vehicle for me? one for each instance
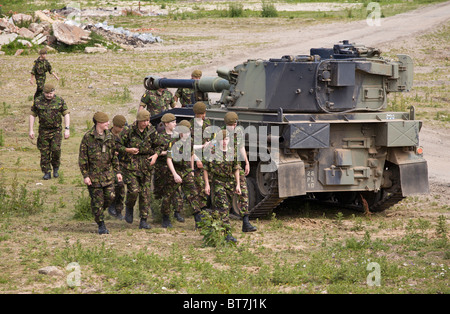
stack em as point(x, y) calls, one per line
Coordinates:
point(40, 68)
point(198, 124)
point(49, 108)
point(116, 207)
point(222, 180)
point(157, 101)
point(239, 152)
point(140, 146)
point(100, 167)
point(180, 161)
point(162, 172)
point(188, 96)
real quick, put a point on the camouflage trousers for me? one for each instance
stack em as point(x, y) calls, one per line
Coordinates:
point(40, 82)
point(188, 188)
point(119, 189)
point(200, 187)
point(139, 186)
point(160, 186)
point(101, 198)
point(222, 192)
point(243, 198)
point(49, 144)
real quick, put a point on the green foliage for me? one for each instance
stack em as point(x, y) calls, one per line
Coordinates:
point(18, 201)
point(236, 9)
point(213, 229)
point(268, 10)
point(83, 208)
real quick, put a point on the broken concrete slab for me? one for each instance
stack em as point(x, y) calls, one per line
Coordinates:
point(21, 18)
point(70, 34)
point(43, 17)
point(39, 39)
point(7, 38)
point(95, 49)
point(25, 32)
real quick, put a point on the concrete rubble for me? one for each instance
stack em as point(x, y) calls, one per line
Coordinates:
point(36, 29)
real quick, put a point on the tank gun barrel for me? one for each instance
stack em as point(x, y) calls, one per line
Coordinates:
point(205, 84)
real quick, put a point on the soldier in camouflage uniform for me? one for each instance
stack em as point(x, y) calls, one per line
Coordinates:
point(239, 152)
point(100, 167)
point(222, 180)
point(140, 147)
point(188, 96)
point(40, 68)
point(180, 160)
point(199, 125)
point(116, 207)
point(162, 172)
point(157, 101)
point(49, 108)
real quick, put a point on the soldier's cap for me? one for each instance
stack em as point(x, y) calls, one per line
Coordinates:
point(168, 117)
point(196, 74)
point(43, 51)
point(230, 118)
point(101, 117)
point(119, 121)
point(184, 126)
point(199, 107)
point(48, 88)
point(143, 115)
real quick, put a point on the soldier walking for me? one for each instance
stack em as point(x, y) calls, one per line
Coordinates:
point(38, 72)
point(222, 180)
point(100, 167)
point(116, 207)
point(162, 172)
point(49, 108)
point(239, 152)
point(140, 146)
point(180, 160)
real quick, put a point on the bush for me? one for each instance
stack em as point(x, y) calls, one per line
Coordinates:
point(236, 9)
point(213, 229)
point(18, 201)
point(83, 208)
point(269, 10)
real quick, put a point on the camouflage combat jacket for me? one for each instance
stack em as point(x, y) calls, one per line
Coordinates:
point(50, 112)
point(39, 70)
point(147, 142)
point(188, 96)
point(181, 160)
point(97, 158)
point(219, 168)
point(198, 137)
point(166, 142)
point(157, 103)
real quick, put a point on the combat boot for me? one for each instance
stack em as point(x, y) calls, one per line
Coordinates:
point(230, 238)
point(55, 172)
point(112, 210)
point(102, 228)
point(47, 176)
point(129, 214)
point(143, 224)
point(246, 226)
point(166, 222)
point(178, 217)
point(197, 218)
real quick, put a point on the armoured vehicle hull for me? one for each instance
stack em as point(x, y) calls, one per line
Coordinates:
point(316, 126)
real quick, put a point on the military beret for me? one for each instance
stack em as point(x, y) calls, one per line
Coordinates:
point(231, 118)
point(143, 115)
point(184, 126)
point(119, 121)
point(48, 88)
point(168, 117)
point(43, 51)
point(196, 74)
point(101, 117)
point(199, 107)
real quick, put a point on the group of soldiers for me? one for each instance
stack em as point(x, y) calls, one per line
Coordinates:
point(119, 163)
